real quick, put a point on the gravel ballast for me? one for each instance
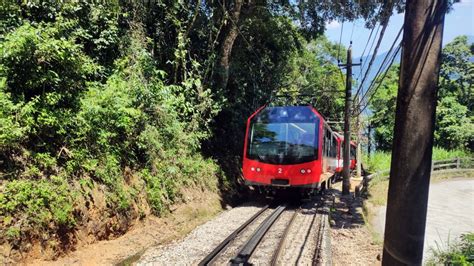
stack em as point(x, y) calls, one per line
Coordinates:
point(202, 240)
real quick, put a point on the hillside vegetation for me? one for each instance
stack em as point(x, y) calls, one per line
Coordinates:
point(87, 144)
point(108, 112)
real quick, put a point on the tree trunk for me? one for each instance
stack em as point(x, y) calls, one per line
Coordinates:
point(229, 34)
point(413, 137)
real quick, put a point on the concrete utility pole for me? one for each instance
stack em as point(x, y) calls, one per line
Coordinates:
point(413, 138)
point(346, 182)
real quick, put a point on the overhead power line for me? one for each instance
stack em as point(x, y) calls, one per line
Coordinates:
point(384, 26)
point(368, 40)
point(385, 61)
point(370, 49)
point(379, 81)
point(352, 32)
point(340, 39)
point(365, 48)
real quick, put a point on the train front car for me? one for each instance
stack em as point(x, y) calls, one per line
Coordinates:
point(283, 148)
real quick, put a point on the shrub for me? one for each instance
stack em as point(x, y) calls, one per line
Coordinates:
point(35, 204)
point(460, 252)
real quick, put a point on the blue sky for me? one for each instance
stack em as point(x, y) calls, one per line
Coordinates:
point(460, 21)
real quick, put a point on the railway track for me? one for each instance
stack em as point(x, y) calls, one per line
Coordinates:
point(211, 256)
point(268, 238)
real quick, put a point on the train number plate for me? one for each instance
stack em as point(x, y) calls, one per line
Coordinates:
point(280, 182)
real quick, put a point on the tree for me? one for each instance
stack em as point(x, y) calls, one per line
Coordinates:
point(44, 74)
point(454, 128)
point(383, 108)
point(457, 72)
point(454, 115)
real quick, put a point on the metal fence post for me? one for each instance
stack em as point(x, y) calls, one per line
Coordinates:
point(458, 163)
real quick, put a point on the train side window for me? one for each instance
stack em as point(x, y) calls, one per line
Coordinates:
point(325, 142)
point(329, 143)
point(333, 147)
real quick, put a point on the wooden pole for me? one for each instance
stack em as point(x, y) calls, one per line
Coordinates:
point(346, 175)
point(359, 151)
point(346, 182)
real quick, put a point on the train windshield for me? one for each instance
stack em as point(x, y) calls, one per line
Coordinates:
point(284, 135)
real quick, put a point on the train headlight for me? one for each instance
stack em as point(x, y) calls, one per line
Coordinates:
point(253, 168)
point(302, 171)
point(258, 169)
point(308, 171)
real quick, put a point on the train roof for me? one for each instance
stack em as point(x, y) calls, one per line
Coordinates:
point(287, 113)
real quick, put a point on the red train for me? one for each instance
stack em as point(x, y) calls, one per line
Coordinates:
point(353, 152)
point(291, 147)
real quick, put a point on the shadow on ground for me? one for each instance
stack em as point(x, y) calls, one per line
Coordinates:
point(346, 211)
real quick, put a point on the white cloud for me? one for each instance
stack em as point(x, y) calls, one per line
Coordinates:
point(333, 25)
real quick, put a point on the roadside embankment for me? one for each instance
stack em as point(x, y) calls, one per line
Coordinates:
point(197, 207)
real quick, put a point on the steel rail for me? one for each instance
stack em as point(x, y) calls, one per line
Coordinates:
point(246, 251)
point(210, 257)
point(282, 242)
point(319, 240)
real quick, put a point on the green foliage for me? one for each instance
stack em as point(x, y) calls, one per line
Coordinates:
point(383, 106)
point(42, 77)
point(457, 72)
point(95, 26)
point(311, 72)
point(65, 118)
point(380, 161)
point(454, 112)
point(11, 131)
point(32, 203)
point(455, 129)
point(461, 252)
point(443, 154)
point(132, 119)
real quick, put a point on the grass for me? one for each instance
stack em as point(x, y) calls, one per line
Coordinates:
point(442, 154)
point(380, 161)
